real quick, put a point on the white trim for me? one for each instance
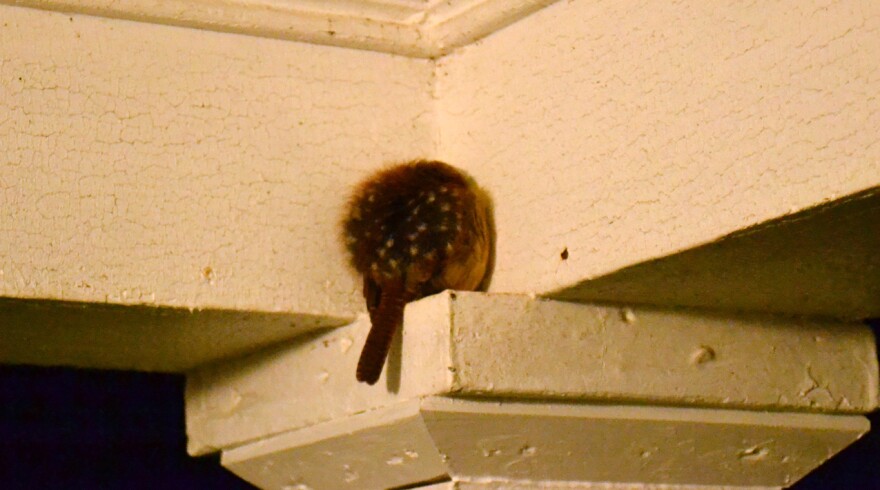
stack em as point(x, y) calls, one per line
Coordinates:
point(423, 29)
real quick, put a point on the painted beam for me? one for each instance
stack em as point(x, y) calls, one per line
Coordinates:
point(822, 262)
point(419, 29)
point(478, 345)
point(482, 442)
point(184, 170)
point(665, 130)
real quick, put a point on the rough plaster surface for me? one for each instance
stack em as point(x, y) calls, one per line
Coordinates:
point(511, 347)
point(669, 127)
point(248, 398)
point(823, 261)
point(401, 451)
point(163, 166)
point(143, 338)
point(486, 443)
point(155, 165)
point(169, 167)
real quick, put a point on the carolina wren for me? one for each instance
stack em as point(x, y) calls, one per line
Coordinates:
point(413, 230)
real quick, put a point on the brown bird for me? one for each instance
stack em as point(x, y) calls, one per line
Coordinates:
point(413, 230)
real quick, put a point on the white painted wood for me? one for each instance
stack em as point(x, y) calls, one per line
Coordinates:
point(167, 167)
point(820, 262)
point(143, 338)
point(667, 128)
point(411, 28)
point(458, 23)
point(482, 442)
point(178, 169)
point(511, 345)
point(211, 177)
point(508, 346)
point(380, 449)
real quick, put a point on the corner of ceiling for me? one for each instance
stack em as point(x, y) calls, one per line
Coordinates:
point(413, 28)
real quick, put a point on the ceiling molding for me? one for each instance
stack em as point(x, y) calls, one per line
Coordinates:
point(415, 28)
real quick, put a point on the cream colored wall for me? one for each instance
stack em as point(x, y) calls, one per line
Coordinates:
point(165, 166)
point(624, 133)
point(168, 166)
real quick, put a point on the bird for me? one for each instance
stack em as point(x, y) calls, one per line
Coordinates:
point(412, 230)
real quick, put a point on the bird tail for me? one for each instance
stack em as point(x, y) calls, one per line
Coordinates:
point(386, 319)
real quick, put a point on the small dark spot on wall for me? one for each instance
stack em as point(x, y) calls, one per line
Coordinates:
point(331, 33)
point(208, 273)
point(564, 254)
point(703, 355)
